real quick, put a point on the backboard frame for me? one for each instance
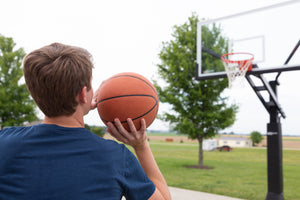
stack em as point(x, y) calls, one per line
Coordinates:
point(202, 76)
point(255, 71)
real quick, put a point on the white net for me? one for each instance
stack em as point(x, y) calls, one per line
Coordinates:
point(236, 65)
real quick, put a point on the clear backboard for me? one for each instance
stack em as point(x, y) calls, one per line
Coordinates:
point(270, 33)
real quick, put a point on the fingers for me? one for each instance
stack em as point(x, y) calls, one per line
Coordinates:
point(143, 125)
point(119, 126)
point(133, 138)
point(94, 103)
point(131, 125)
point(120, 133)
point(94, 100)
point(113, 130)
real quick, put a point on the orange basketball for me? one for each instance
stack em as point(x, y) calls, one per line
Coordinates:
point(127, 95)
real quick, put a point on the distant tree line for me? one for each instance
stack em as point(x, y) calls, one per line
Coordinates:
point(98, 130)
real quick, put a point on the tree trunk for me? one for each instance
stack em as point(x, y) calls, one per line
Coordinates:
point(200, 156)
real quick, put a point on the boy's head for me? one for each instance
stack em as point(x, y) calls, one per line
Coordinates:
point(55, 74)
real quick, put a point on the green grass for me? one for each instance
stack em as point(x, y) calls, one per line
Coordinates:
point(290, 139)
point(241, 173)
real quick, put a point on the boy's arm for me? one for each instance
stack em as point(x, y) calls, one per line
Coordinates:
point(138, 140)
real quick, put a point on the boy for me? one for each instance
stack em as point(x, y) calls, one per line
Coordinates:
point(60, 159)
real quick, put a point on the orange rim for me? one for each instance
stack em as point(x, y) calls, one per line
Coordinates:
point(224, 59)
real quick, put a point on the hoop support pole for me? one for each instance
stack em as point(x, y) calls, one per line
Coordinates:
point(274, 153)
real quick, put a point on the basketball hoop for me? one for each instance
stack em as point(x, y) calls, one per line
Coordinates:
point(236, 65)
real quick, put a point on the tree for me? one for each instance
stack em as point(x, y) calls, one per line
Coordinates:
point(198, 109)
point(100, 131)
point(256, 137)
point(16, 105)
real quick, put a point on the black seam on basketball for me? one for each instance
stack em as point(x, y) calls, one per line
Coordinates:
point(132, 76)
point(156, 103)
point(127, 95)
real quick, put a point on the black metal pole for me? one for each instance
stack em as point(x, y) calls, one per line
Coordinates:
point(274, 154)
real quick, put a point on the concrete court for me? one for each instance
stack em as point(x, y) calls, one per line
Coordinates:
point(182, 194)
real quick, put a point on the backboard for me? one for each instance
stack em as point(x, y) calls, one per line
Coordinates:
point(270, 33)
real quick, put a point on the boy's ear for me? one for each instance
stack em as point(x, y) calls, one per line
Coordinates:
point(82, 95)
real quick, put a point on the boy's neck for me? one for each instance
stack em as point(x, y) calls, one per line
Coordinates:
point(73, 121)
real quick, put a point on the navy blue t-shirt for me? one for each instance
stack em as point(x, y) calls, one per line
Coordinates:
point(48, 162)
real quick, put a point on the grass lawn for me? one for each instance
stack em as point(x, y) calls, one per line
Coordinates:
point(241, 173)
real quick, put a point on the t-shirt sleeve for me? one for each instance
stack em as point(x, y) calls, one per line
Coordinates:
point(137, 185)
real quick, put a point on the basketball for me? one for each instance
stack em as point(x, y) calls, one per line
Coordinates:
point(127, 95)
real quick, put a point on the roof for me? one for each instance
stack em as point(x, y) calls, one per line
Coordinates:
point(234, 138)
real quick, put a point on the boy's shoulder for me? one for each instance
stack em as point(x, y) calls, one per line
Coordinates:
point(11, 131)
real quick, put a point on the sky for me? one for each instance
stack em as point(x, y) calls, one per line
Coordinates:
point(128, 36)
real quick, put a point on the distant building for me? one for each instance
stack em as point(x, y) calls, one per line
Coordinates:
point(34, 123)
point(209, 144)
point(235, 141)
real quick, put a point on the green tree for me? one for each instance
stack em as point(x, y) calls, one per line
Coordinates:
point(256, 137)
point(100, 131)
point(16, 105)
point(198, 109)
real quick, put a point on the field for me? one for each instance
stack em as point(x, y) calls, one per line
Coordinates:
point(287, 141)
point(241, 173)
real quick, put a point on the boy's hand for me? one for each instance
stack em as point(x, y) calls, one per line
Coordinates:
point(138, 140)
point(94, 100)
point(135, 138)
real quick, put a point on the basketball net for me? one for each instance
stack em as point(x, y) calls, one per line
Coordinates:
point(236, 65)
